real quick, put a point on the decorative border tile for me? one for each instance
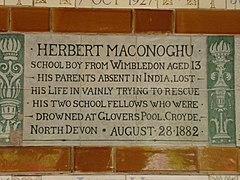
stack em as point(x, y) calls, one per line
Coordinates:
point(83, 4)
point(221, 95)
point(85, 177)
point(5, 177)
point(11, 88)
point(19, 2)
point(122, 177)
point(223, 177)
point(212, 4)
point(182, 4)
point(166, 177)
point(129, 4)
point(54, 3)
point(230, 4)
point(26, 178)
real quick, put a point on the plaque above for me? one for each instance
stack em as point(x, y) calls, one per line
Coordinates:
point(117, 90)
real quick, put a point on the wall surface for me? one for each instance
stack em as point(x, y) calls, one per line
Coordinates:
point(214, 162)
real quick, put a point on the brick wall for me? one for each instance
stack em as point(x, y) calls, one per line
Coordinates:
point(147, 160)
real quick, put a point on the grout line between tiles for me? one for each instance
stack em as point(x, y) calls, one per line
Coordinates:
point(114, 159)
point(72, 160)
point(9, 20)
point(174, 22)
point(133, 20)
point(51, 20)
point(198, 160)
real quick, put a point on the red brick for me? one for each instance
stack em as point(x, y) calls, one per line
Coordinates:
point(218, 159)
point(153, 21)
point(4, 16)
point(93, 159)
point(30, 19)
point(34, 159)
point(92, 20)
point(208, 21)
point(146, 159)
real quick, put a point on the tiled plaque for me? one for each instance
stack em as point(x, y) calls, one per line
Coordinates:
point(118, 90)
point(113, 90)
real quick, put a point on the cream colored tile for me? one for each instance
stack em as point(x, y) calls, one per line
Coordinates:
point(84, 177)
point(162, 103)
point(54, 3)
point(106, 3)
point(107, 118)
point(227, 177)
point(199, 69)
point(179, 4)
point(212, 4)
point(18, 2)
point(26, 178)
point(168, 76)
point(1, 2)
point(231, 4)
point(166, 4)
point(113, 103)
point(137, 4)
point(5, 177)
point(83, 4)
point(237, 3)
point(42, 3)
point(149, 4)
point(185, 4)
point(48, 77)
point(67, 3)
point(169, 177)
